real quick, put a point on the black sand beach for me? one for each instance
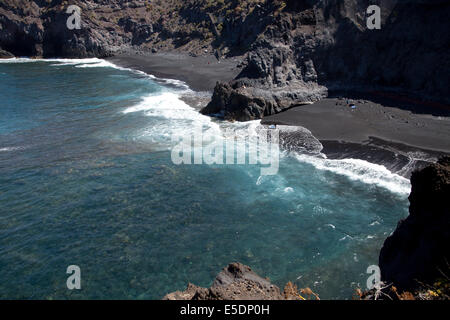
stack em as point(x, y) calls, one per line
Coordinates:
point(334, 119)
point(401, 135)
point(201, 72)
point(392, 136)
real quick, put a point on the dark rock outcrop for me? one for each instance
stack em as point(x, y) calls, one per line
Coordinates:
point(5, 54)
point(235, 282)
point(238, 101)
point(38, 28)
point(418, 250)
point(296, 49)
point(328, 44)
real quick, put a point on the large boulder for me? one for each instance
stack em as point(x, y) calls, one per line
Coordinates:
point(235, 282)
point(237, 101)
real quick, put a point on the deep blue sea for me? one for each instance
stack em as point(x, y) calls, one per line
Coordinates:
point(87, 179)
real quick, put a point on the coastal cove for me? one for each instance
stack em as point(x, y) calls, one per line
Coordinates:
point(399, 135)
point(225, 150)
point(89, 148)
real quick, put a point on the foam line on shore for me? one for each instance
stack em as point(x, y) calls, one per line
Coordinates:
point(97, 63)
point(168, 105)
point(63, 61)
point(173, 117)
point(9, 149)
point(361, 170)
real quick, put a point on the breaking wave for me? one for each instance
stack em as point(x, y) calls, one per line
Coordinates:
point(360, 170)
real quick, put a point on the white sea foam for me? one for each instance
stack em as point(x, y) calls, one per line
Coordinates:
point(168, 105)
point(9, 149)
point(355, 169)
point(96, 63)
point(346, 237)
point(99, 64)
point(18, 60)
point(71, 62)
point(176, 117)
point(61, 61)
point(182, 117)
point(360, 170)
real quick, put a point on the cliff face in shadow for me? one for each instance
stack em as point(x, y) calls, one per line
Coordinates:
point(314, 48)
point(418, 251)
point(296, 50)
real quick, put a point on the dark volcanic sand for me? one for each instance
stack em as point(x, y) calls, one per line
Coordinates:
point(395, 137)
point(333, 119)
point(400, 135)
point(200, 73)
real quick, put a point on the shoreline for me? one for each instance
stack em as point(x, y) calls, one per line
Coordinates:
point(398, 158)
point(387, 132)
point(334, 119)
point(200, 73)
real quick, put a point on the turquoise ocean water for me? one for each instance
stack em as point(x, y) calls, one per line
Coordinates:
point(86, 178)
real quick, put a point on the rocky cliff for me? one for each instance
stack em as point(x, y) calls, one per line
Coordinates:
point(296, 50)
point(313, 47)
point(39, 27)
point(418, 251)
